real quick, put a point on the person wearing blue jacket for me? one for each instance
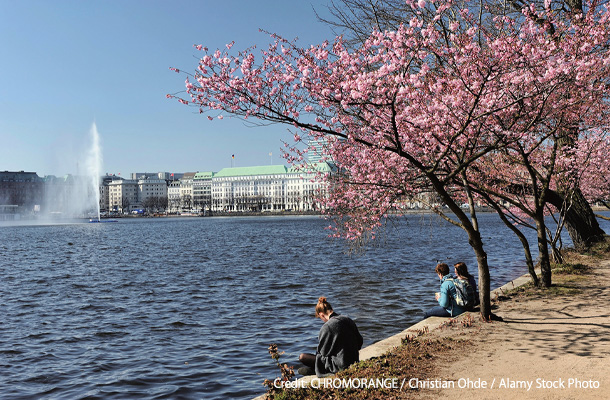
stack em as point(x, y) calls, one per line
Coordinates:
point(447, 307)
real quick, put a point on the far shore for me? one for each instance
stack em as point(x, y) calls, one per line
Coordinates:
point(409, 211)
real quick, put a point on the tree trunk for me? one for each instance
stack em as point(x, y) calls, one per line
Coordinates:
point(474, 238)
point(543, 249)
point(581, 223)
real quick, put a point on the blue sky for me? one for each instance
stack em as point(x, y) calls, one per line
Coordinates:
point(67, 64)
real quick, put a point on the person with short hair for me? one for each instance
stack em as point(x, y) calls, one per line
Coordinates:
point(447, 306)
point(339, 343)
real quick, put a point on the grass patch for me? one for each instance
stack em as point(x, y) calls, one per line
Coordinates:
point(564, 277)
point(514, 292)
point(564, 285)
point(570, 269)
point(599, 250)
point(559, 290)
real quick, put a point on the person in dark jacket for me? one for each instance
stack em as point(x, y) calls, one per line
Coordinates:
point(339, 342)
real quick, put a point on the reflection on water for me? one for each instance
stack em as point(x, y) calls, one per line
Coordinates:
point(185, 308)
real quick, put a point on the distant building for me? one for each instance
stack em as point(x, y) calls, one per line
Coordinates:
point(22, 191)
point(242, 189)
point(152, 193)
point(155, 175)
point(173, 196)
point(306, 184)
point(318, 151)
point(174, 176)
point(202, 191)
point(123, 195)
point(143, 175)
point(9, 213)
point(105, 192)
point(266, 188)
point(186, 191)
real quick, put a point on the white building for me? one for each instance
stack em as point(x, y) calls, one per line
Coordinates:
point(186, 191)
point(152, 193)
point(202, 191)
point(123, 195)
point(266, 188)
point(173, 196)
point(105, 191)
point(305, 185)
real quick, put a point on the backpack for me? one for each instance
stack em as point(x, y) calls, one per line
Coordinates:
point(464, 293)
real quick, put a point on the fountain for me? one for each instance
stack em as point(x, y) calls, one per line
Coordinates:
point(76, 196)
point(94, 168)
point(73, 196)
point(94, 171)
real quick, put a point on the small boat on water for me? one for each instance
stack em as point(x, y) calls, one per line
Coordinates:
point(97, 221)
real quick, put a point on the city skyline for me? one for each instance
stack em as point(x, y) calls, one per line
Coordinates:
point(108, 63)
point(128, 174)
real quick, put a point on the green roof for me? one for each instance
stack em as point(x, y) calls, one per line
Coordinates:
point(250, 171)
point(312, 167)
point(204, 175)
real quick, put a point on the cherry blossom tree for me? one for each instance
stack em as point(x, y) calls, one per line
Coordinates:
point(356, 18)
point(413, 110)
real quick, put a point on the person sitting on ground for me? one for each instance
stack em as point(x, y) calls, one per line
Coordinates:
point(447, 306)
point(461, 272)
point(338, 346)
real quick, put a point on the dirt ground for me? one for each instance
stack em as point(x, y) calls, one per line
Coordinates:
point(548, 346)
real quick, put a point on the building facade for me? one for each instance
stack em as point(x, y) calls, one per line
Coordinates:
point(152, 193)
point(105, 191)
point(22, 191)
point(202, 191)
point(267, 188)
point(186, 192)
point(123, 195)
point(173, 196)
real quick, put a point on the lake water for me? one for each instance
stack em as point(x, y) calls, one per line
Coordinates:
point(186, 308)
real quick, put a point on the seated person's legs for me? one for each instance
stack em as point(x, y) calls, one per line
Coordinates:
point(437, 311)
point(308, 359)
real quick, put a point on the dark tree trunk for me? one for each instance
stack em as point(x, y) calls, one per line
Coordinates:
point(484, 279)
point(581, 223)
point(543, 249)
